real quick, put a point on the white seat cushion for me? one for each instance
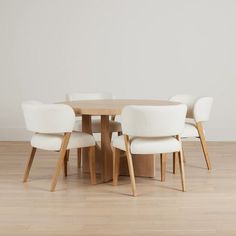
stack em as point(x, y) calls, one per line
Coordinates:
point(53, 141)
point(96, 125)
point(149, 145)
point(190, 131)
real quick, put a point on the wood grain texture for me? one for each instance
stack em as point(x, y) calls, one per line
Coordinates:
point(29, 164)
point(163, 161)
point(87, 128)
point(60, 162)
point(181, 165)
point(204, 145)
point(79, 159)
point(208, 208)
point(92, 165)
point(175, 162)
point(130, 164)
point(111, 106)
point(116, 165)
point(106, 149)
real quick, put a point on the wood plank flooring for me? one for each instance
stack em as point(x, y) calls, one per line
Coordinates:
point(79, 208)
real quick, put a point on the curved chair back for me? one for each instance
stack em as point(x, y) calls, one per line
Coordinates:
point(153, 121)
point(202, 109)
point(48, 118)
point(188, 100)
point(199, 108)
point(88, 96)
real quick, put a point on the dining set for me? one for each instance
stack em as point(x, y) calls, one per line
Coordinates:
point(132, 132)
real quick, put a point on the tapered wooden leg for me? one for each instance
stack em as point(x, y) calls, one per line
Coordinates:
point(130, 164)
point(131, 172)
point(175, 162)
point(116, 165)
point(66, 161)
point(60, 161)
point(163, 166)
point(204, 145)
point(92, 164)
point(182, 174)
point(79, 157)
point(29, 164)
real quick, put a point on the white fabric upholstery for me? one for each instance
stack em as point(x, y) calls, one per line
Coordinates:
point(48, 118)
point(149, 145)
point(199, 108)
point(151, 129)
point(189, 100)
point(190, 131)
point(53, 142)
point(202, 109)
point(96, 126)
point(153, 121)
point(50, 122)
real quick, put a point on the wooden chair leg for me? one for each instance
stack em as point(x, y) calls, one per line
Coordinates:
point(131, 173)
point(130, 165)
point(60, 161)
point(92, 164)
point(79, 159)
point(182, 174)
point(183, 153)
point(163, 166)
point(116, 165)
point(29, 164)
point(175, 162)
point(66, 161)
point(204, 145)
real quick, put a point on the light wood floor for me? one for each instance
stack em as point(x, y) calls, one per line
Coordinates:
point(78, 208)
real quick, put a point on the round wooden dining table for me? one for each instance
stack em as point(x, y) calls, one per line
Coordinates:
point(106, 108)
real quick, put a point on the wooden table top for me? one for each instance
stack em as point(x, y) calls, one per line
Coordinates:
point(111, 106)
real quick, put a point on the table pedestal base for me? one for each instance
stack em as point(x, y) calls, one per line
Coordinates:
point(144, 165)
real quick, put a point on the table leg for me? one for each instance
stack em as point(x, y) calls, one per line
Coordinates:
point(106, 149)
point(144, 165)
point(87, 128)
point(86, 124)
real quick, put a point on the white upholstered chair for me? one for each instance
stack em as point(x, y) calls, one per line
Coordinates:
point(149, 130)
point(52, 125)
point(115, 126)
point(199, 109)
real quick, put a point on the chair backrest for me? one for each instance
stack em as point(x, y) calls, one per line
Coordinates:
point(202, 109)
point(48, 118)
point(199, 108)
point(88, 96)
point(153, 121)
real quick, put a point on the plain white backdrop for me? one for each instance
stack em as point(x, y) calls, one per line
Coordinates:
point(132, 48)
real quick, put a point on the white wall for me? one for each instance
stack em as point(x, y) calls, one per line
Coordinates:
point(132, 48)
